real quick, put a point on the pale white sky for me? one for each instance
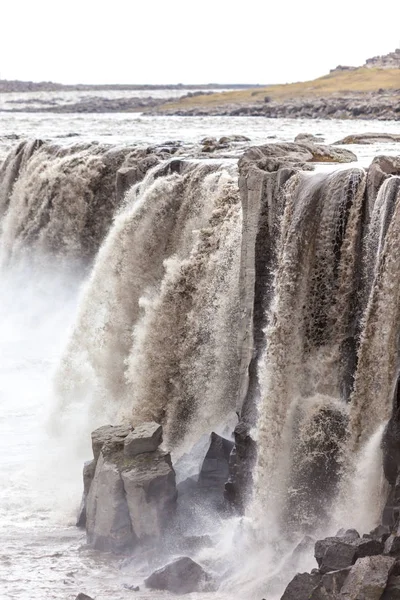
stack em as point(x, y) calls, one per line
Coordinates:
point(171, 41)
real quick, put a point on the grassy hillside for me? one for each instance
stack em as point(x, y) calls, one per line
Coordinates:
point(359, 80)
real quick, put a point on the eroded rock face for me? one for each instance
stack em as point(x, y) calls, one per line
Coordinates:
point(182, 576)
point(132, 497)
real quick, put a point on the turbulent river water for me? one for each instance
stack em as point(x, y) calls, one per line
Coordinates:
point(42, 554)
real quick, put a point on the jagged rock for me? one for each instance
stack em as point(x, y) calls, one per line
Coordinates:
point(112, 435)
point(367, 578)
point(182, 576)
point(369, 138)
point(338, 555)
point(330, 585)
point(215, 468)
point(342, 551)
point(144, 438)
point(302, 586)
point(88, 474)
point(149, 485)
point(392, 545)
point(392, 591)
point(308, 137)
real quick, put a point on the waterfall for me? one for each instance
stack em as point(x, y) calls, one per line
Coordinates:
point(303, 371)
point(274, 295)
point(155, 336)
point(58, 201)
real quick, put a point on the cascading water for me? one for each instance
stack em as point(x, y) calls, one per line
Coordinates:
point(155, 336)
point(167, 318)
point(303, 369)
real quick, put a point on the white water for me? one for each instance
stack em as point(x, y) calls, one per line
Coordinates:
point(40, 477)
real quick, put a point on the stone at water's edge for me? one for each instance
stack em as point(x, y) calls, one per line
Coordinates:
point(368, 578)
point(82, 596)
point(182, 576)
point(131, 498)
point(144, 438)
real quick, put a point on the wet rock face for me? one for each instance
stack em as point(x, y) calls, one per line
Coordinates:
point(182, 576)
point(215, 468)
point(132, 496)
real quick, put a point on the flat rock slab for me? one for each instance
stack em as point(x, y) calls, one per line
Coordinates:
point(182, 576)
point(367, 578)
point(144, 438)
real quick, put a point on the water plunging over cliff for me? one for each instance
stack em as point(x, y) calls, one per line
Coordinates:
point(277, 298)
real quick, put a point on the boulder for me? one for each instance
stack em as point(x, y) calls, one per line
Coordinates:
point(338, 555)
point(342, 551)
point(335, 553)
point(368, 578)
point(182, 576)
point(83, 596)
point(302, 586)
point(308, 137)
point(112, 435)
point(144, 438)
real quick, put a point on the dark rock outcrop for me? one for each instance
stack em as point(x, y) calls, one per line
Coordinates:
point(182, 576)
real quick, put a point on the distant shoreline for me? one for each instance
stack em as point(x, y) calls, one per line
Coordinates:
point(16, 86)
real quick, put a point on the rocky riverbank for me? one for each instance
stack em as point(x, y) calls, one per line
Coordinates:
point(383, 105)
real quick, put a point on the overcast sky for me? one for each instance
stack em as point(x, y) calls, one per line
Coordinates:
point(172, 41)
